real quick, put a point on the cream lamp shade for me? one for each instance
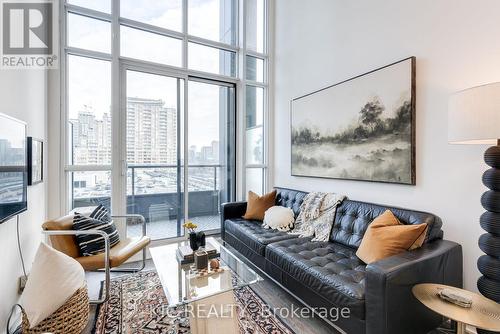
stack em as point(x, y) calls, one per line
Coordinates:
point(474, 115)
point(474, 118)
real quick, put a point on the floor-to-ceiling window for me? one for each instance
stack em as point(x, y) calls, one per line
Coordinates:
point(256, 78)
point(150, 88)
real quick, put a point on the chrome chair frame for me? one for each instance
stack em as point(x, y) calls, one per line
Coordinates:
point(107, 267)
point(144, 251)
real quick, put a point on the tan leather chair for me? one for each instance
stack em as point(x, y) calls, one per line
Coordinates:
point(62, 238)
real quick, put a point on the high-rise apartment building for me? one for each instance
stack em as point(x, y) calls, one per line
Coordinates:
point(91, 138)
point(151, 132)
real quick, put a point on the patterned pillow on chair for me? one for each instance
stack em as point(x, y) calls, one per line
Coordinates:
point(99, 219)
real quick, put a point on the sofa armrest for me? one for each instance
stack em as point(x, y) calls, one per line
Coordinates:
point(231, 210)
point(390, 304)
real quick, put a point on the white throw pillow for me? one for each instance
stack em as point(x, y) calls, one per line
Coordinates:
point(279, 217)
point(53, 279)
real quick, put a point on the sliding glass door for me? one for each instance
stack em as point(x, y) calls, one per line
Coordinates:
point(155, 133)
point(211, 146)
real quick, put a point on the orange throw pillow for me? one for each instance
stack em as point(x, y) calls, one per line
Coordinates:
point(386, 236)
point(257, 205)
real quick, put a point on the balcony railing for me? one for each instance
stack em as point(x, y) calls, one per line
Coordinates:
point(156, 192)
point(192, 183)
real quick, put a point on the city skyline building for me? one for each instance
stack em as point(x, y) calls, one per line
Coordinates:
point(151, 132)
point(152, 135)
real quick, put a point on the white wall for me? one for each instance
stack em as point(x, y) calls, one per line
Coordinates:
point(23, 96)
point(456, 43)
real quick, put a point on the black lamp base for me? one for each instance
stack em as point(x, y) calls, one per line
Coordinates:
point(489, 264)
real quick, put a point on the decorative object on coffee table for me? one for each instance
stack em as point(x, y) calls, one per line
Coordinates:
point(200, 239)
point(214, 264)
point(474, 118)
point(484, 314)
point(194, 242)
point(186, 255)
point(362, 128)
point(201, 259)
point(200, 273)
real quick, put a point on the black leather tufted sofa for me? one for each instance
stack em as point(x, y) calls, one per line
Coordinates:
point(329, 275)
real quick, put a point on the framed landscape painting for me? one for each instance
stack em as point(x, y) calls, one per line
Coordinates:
point(359, 129)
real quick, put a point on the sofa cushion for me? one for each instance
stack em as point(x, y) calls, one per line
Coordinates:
point(253, 235)
point(99, 219)
point(53, 279)
point(331, 270)
point(279, 218)
point(257, 205)
point(386, 236)
point(352, 220)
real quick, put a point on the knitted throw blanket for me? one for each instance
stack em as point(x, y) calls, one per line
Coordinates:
point(312, 204)
point(316, 215)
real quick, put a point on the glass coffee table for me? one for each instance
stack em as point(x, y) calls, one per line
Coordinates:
point(209, 300)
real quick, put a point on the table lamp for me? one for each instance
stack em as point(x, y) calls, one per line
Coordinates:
point(474, 118)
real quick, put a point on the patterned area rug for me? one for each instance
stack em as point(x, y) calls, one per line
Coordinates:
point(137, 304)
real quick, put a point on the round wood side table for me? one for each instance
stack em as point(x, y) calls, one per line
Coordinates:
point(484, 313)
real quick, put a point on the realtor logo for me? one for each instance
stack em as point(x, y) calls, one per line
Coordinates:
point(28, 34)
point(27, 28)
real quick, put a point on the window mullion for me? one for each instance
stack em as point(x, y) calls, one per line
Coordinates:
point(150, 28)
point(255, 166)
point(94, 14)
point(243, 50)
point(87, 53)
point(64, 176)
point(256, 83)
point(256, 54)
point(185, 33)
point(267, 116)
point(118, 182)
point(210, 43)
point(87, 168)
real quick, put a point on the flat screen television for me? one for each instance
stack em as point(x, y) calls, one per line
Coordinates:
point(13, 167)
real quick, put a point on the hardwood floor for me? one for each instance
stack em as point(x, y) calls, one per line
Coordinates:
point(276, 297)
